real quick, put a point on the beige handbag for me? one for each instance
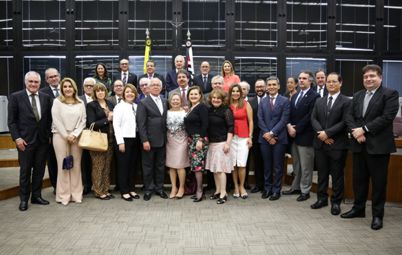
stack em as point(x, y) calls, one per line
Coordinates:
point(93, 140)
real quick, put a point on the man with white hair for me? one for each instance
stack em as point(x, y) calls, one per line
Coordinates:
point(245, 88)
point(144, 88)
point(171, 76)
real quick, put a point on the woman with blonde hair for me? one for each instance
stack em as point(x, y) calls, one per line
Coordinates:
point(176, 147)
point(242, 139)
point(69, 118)
point(229, 76)
point(100, 113)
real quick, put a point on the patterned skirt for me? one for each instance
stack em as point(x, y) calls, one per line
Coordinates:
point(197, 158)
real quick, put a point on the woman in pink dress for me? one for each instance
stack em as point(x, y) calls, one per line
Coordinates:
point(176, 147)
point(229, 76)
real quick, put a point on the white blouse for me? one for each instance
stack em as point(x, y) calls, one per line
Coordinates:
point(124, 123)
point(68, 118)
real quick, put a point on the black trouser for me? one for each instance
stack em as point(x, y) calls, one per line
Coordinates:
point(256, 156)
point(365, 167)
point(330, 162)
point(86, 169)
point(127, 166)
point(153, 167)
point(52, 165)
point(32, 159)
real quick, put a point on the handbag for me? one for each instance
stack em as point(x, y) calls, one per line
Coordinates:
point(93, 140)
point(68, 161)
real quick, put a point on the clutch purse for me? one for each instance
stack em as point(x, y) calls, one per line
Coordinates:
point(93, 140)
point(68, 162)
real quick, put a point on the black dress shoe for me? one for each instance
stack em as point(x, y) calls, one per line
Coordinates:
point(376, 224)
point(275, 196)
point(136, 196)
point(196, 200)
point(256, 189)
point(335, 209)
point(319, 204)
point(147, 196)
point(128, 199)
point(303, 197)
point(291, 192)
point(39, 201)
point(162, 194)
point(353, 213)
point(193, 197)
point(215, 196)
point(266, 194)
point(23, 206)
point(103, 197)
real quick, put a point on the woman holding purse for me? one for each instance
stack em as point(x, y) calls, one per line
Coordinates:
point(69, 118)
point(100, 113)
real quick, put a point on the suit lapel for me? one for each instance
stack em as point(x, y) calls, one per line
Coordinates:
point(373, 99)
point(42, 105)
point(153, 104)
point(28, 103)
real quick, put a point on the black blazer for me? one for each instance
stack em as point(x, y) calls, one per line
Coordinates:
point(301, 117)
point(21, 119)
point(198, 81)
point(325, 90)
point(254, 105)
point(380, 113)
point(132, 78)
point(333, 123)
point(48, 90)
point(96, 114)
point(171, 80)
point(151, 123)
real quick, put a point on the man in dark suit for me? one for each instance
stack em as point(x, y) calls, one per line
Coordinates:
point(124, 75)
point(302, 134)
point(370, 123)
point(117, 96)
point(260, 88)
point(183, 82)
point(52, 77)
point(151, 121)
point(273, 115)
point(203, 80)
point(86, 164)
point(29, 121)
point(152, 74)
point(330, 142)
point(171, 76)
point(320, 87)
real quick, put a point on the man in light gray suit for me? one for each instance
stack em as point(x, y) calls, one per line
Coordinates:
point(151, 122)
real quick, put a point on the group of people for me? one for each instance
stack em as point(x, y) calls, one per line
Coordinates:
point(209, 123)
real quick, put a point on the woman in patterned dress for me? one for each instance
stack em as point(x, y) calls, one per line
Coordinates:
point(176, 147)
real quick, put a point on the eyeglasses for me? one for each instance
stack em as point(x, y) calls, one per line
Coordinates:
point(53, 76)
point(88, 85)
point(123, 63)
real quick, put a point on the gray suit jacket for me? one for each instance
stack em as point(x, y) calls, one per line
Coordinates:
point(151, 123)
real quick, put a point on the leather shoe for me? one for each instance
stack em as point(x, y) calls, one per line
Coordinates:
point(23, 206)
point(319, 204)
point(335, 209)
point(376, 224)
point(275, 196)
point(353, 213)
point(303, 197)
point(266, 194)
point(39, 201)
point(147, 196)
point(291, 192)
point(256, 189)
point(162, 194)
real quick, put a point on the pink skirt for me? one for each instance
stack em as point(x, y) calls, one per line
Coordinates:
point(217, 160)
point(177, 152)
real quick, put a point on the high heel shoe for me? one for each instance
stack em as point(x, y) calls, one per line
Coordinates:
point(193, 197)
point(214, 196)
point(128, 199)
point(135, 196)
point(196, 200)
point(222, 200)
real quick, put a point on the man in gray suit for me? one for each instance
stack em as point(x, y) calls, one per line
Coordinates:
point(182, 80)
point(151, 122)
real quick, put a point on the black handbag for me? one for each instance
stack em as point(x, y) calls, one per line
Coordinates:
point(68, 161)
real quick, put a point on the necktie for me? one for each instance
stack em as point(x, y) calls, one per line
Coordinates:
point(319, 91)
point(366, 101)
point(159, 104)
point(205, 80)
point(124, 78)
point(119, 100)
point(56, 92)
point(271, 102)
point(329, 105)
point(183, 97)
point(35, 108)
point(299, 98)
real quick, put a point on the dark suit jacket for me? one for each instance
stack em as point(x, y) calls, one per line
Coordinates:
point(198, 81)
point(378, 119)
point(84, 99)
point(156, 75)
point(256, 132)
point(49, 91)
point(274, 121)
point(301, 117)
point(333, 123)
point(96, 114)
point(132, 78)
point(21, 119)
point(112, 99)
point(171, 80)
point(325, 90)
point(151, 124)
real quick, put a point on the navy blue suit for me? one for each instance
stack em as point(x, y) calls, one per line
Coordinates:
point(273, 120)
point(171, 81)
